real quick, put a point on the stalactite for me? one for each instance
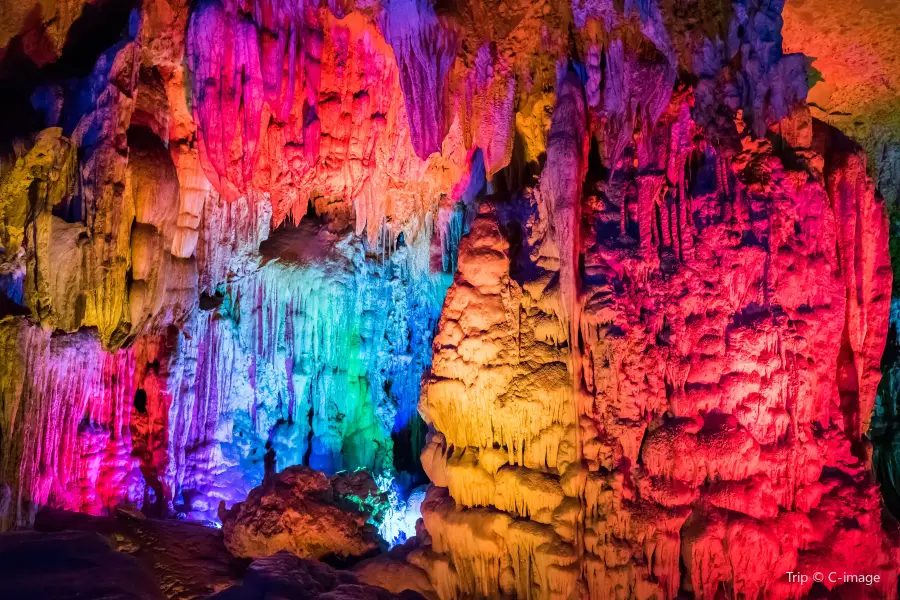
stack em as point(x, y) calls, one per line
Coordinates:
point(333, 339)
point(352, 115)
point(67, 440)
point(425, 49)
point(567, 148)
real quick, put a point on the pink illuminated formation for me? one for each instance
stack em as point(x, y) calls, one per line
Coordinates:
point(296, 101)
point(584, 285)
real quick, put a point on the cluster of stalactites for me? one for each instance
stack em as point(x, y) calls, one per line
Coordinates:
point(364, 103)
point(237, 65)
point(425, 49)
point(318, 354)
point(321, 359)
point(99, 227)
point(303, 101)
point(73, 438)
point(739, 65)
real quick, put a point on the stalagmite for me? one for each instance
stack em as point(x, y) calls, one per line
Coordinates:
point(567, 148)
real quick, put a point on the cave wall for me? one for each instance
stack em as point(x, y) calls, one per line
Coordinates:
point(139, 309)
point(671, 386)
point(637, 293)
point(705, 430)
point(854, 78)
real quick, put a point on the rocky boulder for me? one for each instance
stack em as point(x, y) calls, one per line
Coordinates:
point(306, 513)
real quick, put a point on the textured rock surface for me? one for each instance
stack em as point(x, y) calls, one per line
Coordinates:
point(857, 75)
point(320, 111)
point(187, 561)
point(884, 433)
point(318, 353)
point(710, 424)
point(39, 26)
point(130, 556)
point(111, 223)
point(857, 61)
point(285, 575)
point(393, 571)
point(303, 512)
point(67, 437)
point(668, 413)
point(70, 565)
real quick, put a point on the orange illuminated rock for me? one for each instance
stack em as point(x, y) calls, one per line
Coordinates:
point(301, 511)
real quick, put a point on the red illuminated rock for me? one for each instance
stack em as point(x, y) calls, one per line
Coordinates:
point(719, 384)
point(320, 110)
point(709, 346)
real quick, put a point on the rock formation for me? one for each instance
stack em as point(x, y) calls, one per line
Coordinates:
point(185, 560)
point(285, 575)
point(114, 231)
point(656, 375)
point(715, 431)
point(134, 557)
point(70, 564)
point(299, 510)
point(855, 74)
point(591, 266)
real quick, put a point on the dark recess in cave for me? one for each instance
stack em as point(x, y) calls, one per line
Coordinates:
point(408, 444)
point(100, 26)
point(140, 401)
